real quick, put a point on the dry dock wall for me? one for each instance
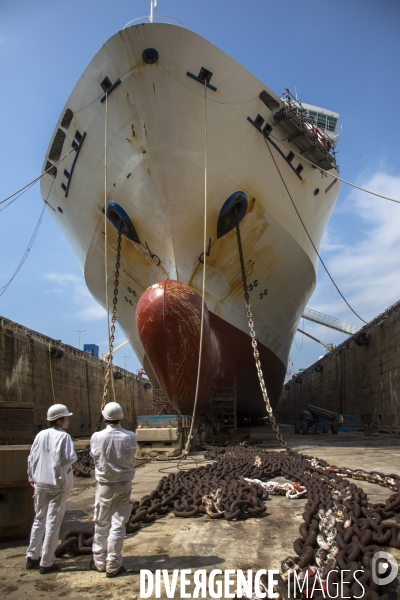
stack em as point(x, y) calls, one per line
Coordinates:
point(26, 376)
point(354, 379)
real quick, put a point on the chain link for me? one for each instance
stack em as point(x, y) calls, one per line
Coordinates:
point(254, 344)
point(112, 329)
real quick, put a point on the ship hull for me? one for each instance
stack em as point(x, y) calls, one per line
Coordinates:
point(157, 162)
point(169, 322)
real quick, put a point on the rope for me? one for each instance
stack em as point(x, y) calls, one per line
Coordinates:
point(51, 376)
point(187, 445)
point(36, 178)
point(109, 361)
point(26, 253)
point(308, 235)
point(302, 339)
point(334, 176)
point(16, 197)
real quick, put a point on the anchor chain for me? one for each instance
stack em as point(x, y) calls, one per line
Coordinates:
point(254, 344)
point(341, 529)
point(112, 328)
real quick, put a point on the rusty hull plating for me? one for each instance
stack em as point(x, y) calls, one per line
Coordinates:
point(168, 318)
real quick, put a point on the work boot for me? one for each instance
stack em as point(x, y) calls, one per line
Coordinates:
point(46, 570)
point(32, 563)
point(94, 567)
point(120, 570)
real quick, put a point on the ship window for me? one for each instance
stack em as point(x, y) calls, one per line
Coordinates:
point(57, 146)
point(299, 169)
point(51, 171)
point(321, 120)
point(259, 120)
point(331, 123)
point(290, 156)
point(312, 115)
point(67, 118)
point(205, 74)
point(106, 84)
point(78, 137)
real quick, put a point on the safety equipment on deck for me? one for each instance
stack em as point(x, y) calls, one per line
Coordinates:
point(112, 412)
point(57, 411)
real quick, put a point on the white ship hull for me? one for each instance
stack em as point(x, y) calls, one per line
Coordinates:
point(156, 172)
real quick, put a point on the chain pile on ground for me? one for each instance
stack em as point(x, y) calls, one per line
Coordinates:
point(340, 528)
point(84, 464)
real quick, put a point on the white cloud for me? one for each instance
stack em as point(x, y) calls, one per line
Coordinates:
point(367, 270)
point(92, 313)
point(328, 244)
point(75, 289)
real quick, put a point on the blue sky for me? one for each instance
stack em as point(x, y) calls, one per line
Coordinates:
point(337, 54)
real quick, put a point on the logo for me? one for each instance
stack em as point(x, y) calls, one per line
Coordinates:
point(384, 568)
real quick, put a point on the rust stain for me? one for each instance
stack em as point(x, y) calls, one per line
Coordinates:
point(168, 319)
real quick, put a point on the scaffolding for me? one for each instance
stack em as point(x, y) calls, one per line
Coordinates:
point(224, 406)
point(160, 403)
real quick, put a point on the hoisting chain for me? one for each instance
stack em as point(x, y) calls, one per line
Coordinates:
point(112, 328)
point(254, 343)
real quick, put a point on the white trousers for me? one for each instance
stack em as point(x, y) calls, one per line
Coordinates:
point(49, 512)
point(112, 510)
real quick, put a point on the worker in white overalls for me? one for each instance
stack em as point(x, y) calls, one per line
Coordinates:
point(50, 473)
point(113, 450)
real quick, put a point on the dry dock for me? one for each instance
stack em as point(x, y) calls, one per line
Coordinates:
point(199, 543)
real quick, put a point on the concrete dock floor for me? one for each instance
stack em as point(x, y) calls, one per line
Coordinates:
point(199, 543)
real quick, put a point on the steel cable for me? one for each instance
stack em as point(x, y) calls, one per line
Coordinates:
point(308, 235)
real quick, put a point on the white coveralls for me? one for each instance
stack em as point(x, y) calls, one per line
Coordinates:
point(113, 451)
point(49, 468)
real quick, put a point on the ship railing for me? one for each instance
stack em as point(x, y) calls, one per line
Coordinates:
point(299, 115)
point(40, 337)
point(158, 19)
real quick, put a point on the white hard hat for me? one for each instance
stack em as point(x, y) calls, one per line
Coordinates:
point(112, 411)
point(57, 411)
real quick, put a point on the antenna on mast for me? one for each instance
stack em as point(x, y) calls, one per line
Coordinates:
point(153, 4)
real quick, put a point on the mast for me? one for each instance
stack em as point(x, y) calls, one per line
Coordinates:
point(153, 4)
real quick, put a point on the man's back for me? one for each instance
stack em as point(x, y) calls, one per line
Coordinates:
point(51, 450)
point(113, 451)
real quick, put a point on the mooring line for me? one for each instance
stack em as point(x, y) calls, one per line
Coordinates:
point(187, 445)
